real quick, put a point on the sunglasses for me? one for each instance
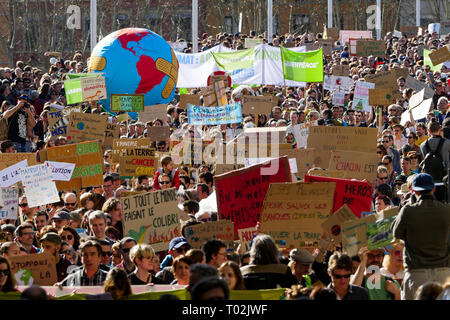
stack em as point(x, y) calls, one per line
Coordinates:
point(5, 272)
point(23, 205)
point(385, 141)
point(165, 182)
point(180, 250)
point(69, 203)
point(386, 163)
point(382, 178)
point(68, 237)
point(410, 137)
point(346, 276)
point(106, 253)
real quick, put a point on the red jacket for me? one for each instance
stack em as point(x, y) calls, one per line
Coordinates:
point(174, 175)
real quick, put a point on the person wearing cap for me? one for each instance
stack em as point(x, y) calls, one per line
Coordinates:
point(61, 218)
point(178, 246)
point(51, 243)
point(368, 276)
point(424, 227)
point(301, 261)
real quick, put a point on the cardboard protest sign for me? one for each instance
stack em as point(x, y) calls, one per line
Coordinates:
point(305, 159)
point(333, 225)
point(326, 45)
point(440, 56)
point(86, 126)
point(34, 269)
point(356, 165)
point(157, 111)
point(112, 132)
point(340, 70)
point(252, 42)
point(152, 218)
point(127, 102)
point(417, 85)
point(158, 133)
point(354, 234)
point(294, 212)
point(381, 97)
point(332, 33)
point(264, 135)
point(58, 120)
point(221, 168)
point(11, 175)
point(8, 159)
point(186, 99)
point(319, 172)
point(345, 35)
point(409, 31)
point(198, 234)
point(137, 162)
point(387, 79)
point(39, 185)
point(231, 113)
point(61, 171)
point(325, 139)
point(240, 193)
point(88, 158)
point(119, 145)
point(379, 233)
point(361, 96)
point(357, 195)
point(93, 88)
point(257, 104)
point(9, 203)
point(246, 236)
point(365, 48)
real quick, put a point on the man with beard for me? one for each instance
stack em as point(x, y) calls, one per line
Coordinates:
point(368, 276)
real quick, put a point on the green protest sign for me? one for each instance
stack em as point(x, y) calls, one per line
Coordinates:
point(127, 102)
point(379, 233)
point(427, 61)
point(240, 59)
point(85, 88)
point(302, 66)
point(73, 91)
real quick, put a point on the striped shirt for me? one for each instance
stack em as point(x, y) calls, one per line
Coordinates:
point(79, 278)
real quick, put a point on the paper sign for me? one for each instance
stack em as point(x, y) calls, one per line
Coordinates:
point(381, 97)
point(11, 175)
point(158, 133)
point(137, 162)
point(416, 99)
point(294, 212)
point(357, 195)
point(418, 112)
point(257, 104)
point(333, 225)
point(9, 159)
point(240, 193)
point(39, 186)
point(93, 88)
point(9, 203)
point(119, 145)
point(338, 98)
point(417, 85)
point(379, 233)
point(34, 269)
point(354, 234)
point(338, 83)
point(356, 165)
point(198, 234)
point(246, 236)
point(62, 171)
point(186, 99)
point(252, 42)
point(86, 126)
point(440, 56)
point(361, 96)
point(127, 102)
point(150, 113)
point(152, 218)
point(231, 113)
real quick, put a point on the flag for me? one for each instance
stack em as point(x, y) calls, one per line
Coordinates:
point(302, 66)
point(235, 60)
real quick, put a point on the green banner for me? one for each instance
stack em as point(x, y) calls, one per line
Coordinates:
point(73, 91)
point(302, 66)
point(427, 61)
point(235, 60)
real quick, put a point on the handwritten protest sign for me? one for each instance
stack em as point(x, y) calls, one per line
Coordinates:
point(361, 96)
point(338, 83)
point(356, 165)
point(332, 33)
point(240, 193)
point(231, 113)
point(186, 99)
point(62, 171)
point(354, 234)
point(119, 145)
point(198, 234)
point(365, 48)
point(379, 233)
point(417, 86)
point(326, 45)
point(39, 186)
point(9, 202)
point(86, 126)
point(319, 172)
point(158, 133)
point(345, 35)
point(440, 56)
point(257, 104)
point(127, 102)
point(325, 139)
point(150, 113)
point(357, 195)
point(137, 162)
point(152, 218)
point(387, 79)
point(93, 88)
point(8, 159)
point(11, 175)
point(333, 225)
point(338, 98)
point(58, 120)
point(294, 212)
point(88, 158)
point(112, 132)
point(246, 235)
point(34, 269)
point(381, 97)
point(340, 70)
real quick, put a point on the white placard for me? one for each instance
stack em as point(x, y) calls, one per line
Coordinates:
point(9, 202)
point(62, 171)
point(39, 185)
point(11, 175)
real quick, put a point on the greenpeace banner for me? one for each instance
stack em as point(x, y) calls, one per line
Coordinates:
point(231, 113)
point(302, 66)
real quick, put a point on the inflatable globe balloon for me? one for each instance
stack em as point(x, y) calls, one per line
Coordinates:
point(136, 61)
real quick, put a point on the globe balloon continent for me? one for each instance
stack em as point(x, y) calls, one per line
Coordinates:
point(136, 61)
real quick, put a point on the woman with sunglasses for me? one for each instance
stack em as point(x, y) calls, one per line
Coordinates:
point(393, 263)
point(69, 235)
point(7, 281)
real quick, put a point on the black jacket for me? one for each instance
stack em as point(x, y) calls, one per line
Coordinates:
point(257, 277)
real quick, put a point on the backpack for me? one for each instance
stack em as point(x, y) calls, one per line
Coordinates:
point(433, 164)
